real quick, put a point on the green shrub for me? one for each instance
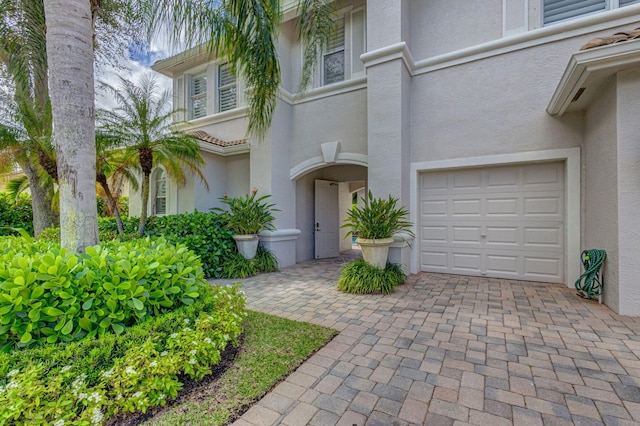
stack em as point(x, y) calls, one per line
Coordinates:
point(47, 295)
point(204, 233)
point(236, 266)
point(248, 215)
point(361, 278)
point(18, 215)
point(92, 380)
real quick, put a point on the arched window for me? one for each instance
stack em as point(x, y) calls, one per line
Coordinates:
point(160, 195)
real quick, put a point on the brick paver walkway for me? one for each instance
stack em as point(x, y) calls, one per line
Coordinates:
point(450, 350)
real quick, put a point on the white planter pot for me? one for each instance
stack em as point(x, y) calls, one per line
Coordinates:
point(247, 245)
point(375, 252)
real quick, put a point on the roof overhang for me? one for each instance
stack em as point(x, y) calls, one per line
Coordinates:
point(182, 61)
point(587, 71)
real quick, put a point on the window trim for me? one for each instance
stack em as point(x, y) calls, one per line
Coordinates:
point(608, 6)
point(160, 171)
point(220, 88)
point(192, 96)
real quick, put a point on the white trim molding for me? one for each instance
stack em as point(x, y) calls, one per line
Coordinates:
point(597, 62)
point(318, 162)
point(320, 92)
point(571, 157)
point(280, 235)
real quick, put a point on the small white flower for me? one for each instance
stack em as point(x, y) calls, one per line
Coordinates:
point(137, 395)
point(82, 396)
point(186, 321)
point(97, 416)
point(194, 343)
point(107, 373)
point(12, 373)
point(226, 337)
point(192, 361)
point(65, 369)
point(208, 340)
point(186, 329)
point(95, 397)
point(173, 335)
point(193, 352)
point(164, 353)
point(11, 385)
point(162, 396)
point(59, 423)
point(130, 371)
point(153, 364)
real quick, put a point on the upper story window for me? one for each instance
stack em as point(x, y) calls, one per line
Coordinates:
point(560, 10)
point(341, 60)
point(198, 96)
point(227, 93)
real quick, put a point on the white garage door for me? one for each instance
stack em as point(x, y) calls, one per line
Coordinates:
point(504, 222)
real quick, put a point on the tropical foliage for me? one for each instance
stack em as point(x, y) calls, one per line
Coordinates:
point(245, 33)
point(49, 295)
point(15, 213)
point(236, 266)
point(94, 380)
point(248, 215)
point(360, 277)
point(142, 126)
point(378, 218)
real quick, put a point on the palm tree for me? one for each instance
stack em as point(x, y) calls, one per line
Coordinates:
point(142, 124)
point(25, 125)
point(245, 32)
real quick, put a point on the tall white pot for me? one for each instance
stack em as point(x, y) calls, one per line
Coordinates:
point(375, 252)
point(247, 245)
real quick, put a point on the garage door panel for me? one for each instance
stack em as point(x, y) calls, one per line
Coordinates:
point(467, 207)
point(543, 206)
point(466, 234)
point(544, 237)
point(505, 222)
point(435, 260)
point(502, 235)
point(434, 234)
point(468, 262)
point(502, 206)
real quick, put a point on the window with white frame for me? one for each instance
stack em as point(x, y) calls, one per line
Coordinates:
point(341, 59)
point(227, 90)
point(198, 96)
point(160, 189)
point(561, 10)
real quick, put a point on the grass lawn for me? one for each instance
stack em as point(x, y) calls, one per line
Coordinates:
point(273, 347)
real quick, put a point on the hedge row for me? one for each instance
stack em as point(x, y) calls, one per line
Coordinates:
point(48, 295)
point(18, 215)
point(92, 380)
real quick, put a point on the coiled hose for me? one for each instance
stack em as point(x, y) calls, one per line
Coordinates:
point(592, 261)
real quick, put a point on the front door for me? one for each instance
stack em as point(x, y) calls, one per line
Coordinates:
point(327, 219)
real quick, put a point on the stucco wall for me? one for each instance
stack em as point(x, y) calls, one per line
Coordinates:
point(439, 27)
point(599, 186)
point(629, 190)
point(305, 203)
point(341, 117)
point(492, 106)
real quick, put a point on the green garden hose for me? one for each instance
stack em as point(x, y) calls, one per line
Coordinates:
point(592, 261)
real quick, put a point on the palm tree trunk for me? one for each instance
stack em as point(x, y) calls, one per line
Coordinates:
point(43, 215)
point(71, 58)
point(145, 204)
point(113, 205)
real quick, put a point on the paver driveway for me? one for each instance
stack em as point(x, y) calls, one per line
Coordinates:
point(447, 349)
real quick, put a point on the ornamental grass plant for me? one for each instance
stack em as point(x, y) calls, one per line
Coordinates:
point(249, 214)
point(377, 219)
point(359, 277)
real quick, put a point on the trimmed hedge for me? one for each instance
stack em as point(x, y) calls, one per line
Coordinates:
point(48, 295)
point(92, 380)
point(18, 215)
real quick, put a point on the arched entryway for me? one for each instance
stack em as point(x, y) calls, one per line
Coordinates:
point(323, 197)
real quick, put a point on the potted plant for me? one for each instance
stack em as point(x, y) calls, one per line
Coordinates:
point(246, 217)
point(374, 224)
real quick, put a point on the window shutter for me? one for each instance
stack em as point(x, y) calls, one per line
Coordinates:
point(178, 99)
point(333, 58)
point(559, 10)
point(198, 96)
point(358, 41)
point(226, 88)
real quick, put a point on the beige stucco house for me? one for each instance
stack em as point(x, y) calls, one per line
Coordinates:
point(513, 149)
